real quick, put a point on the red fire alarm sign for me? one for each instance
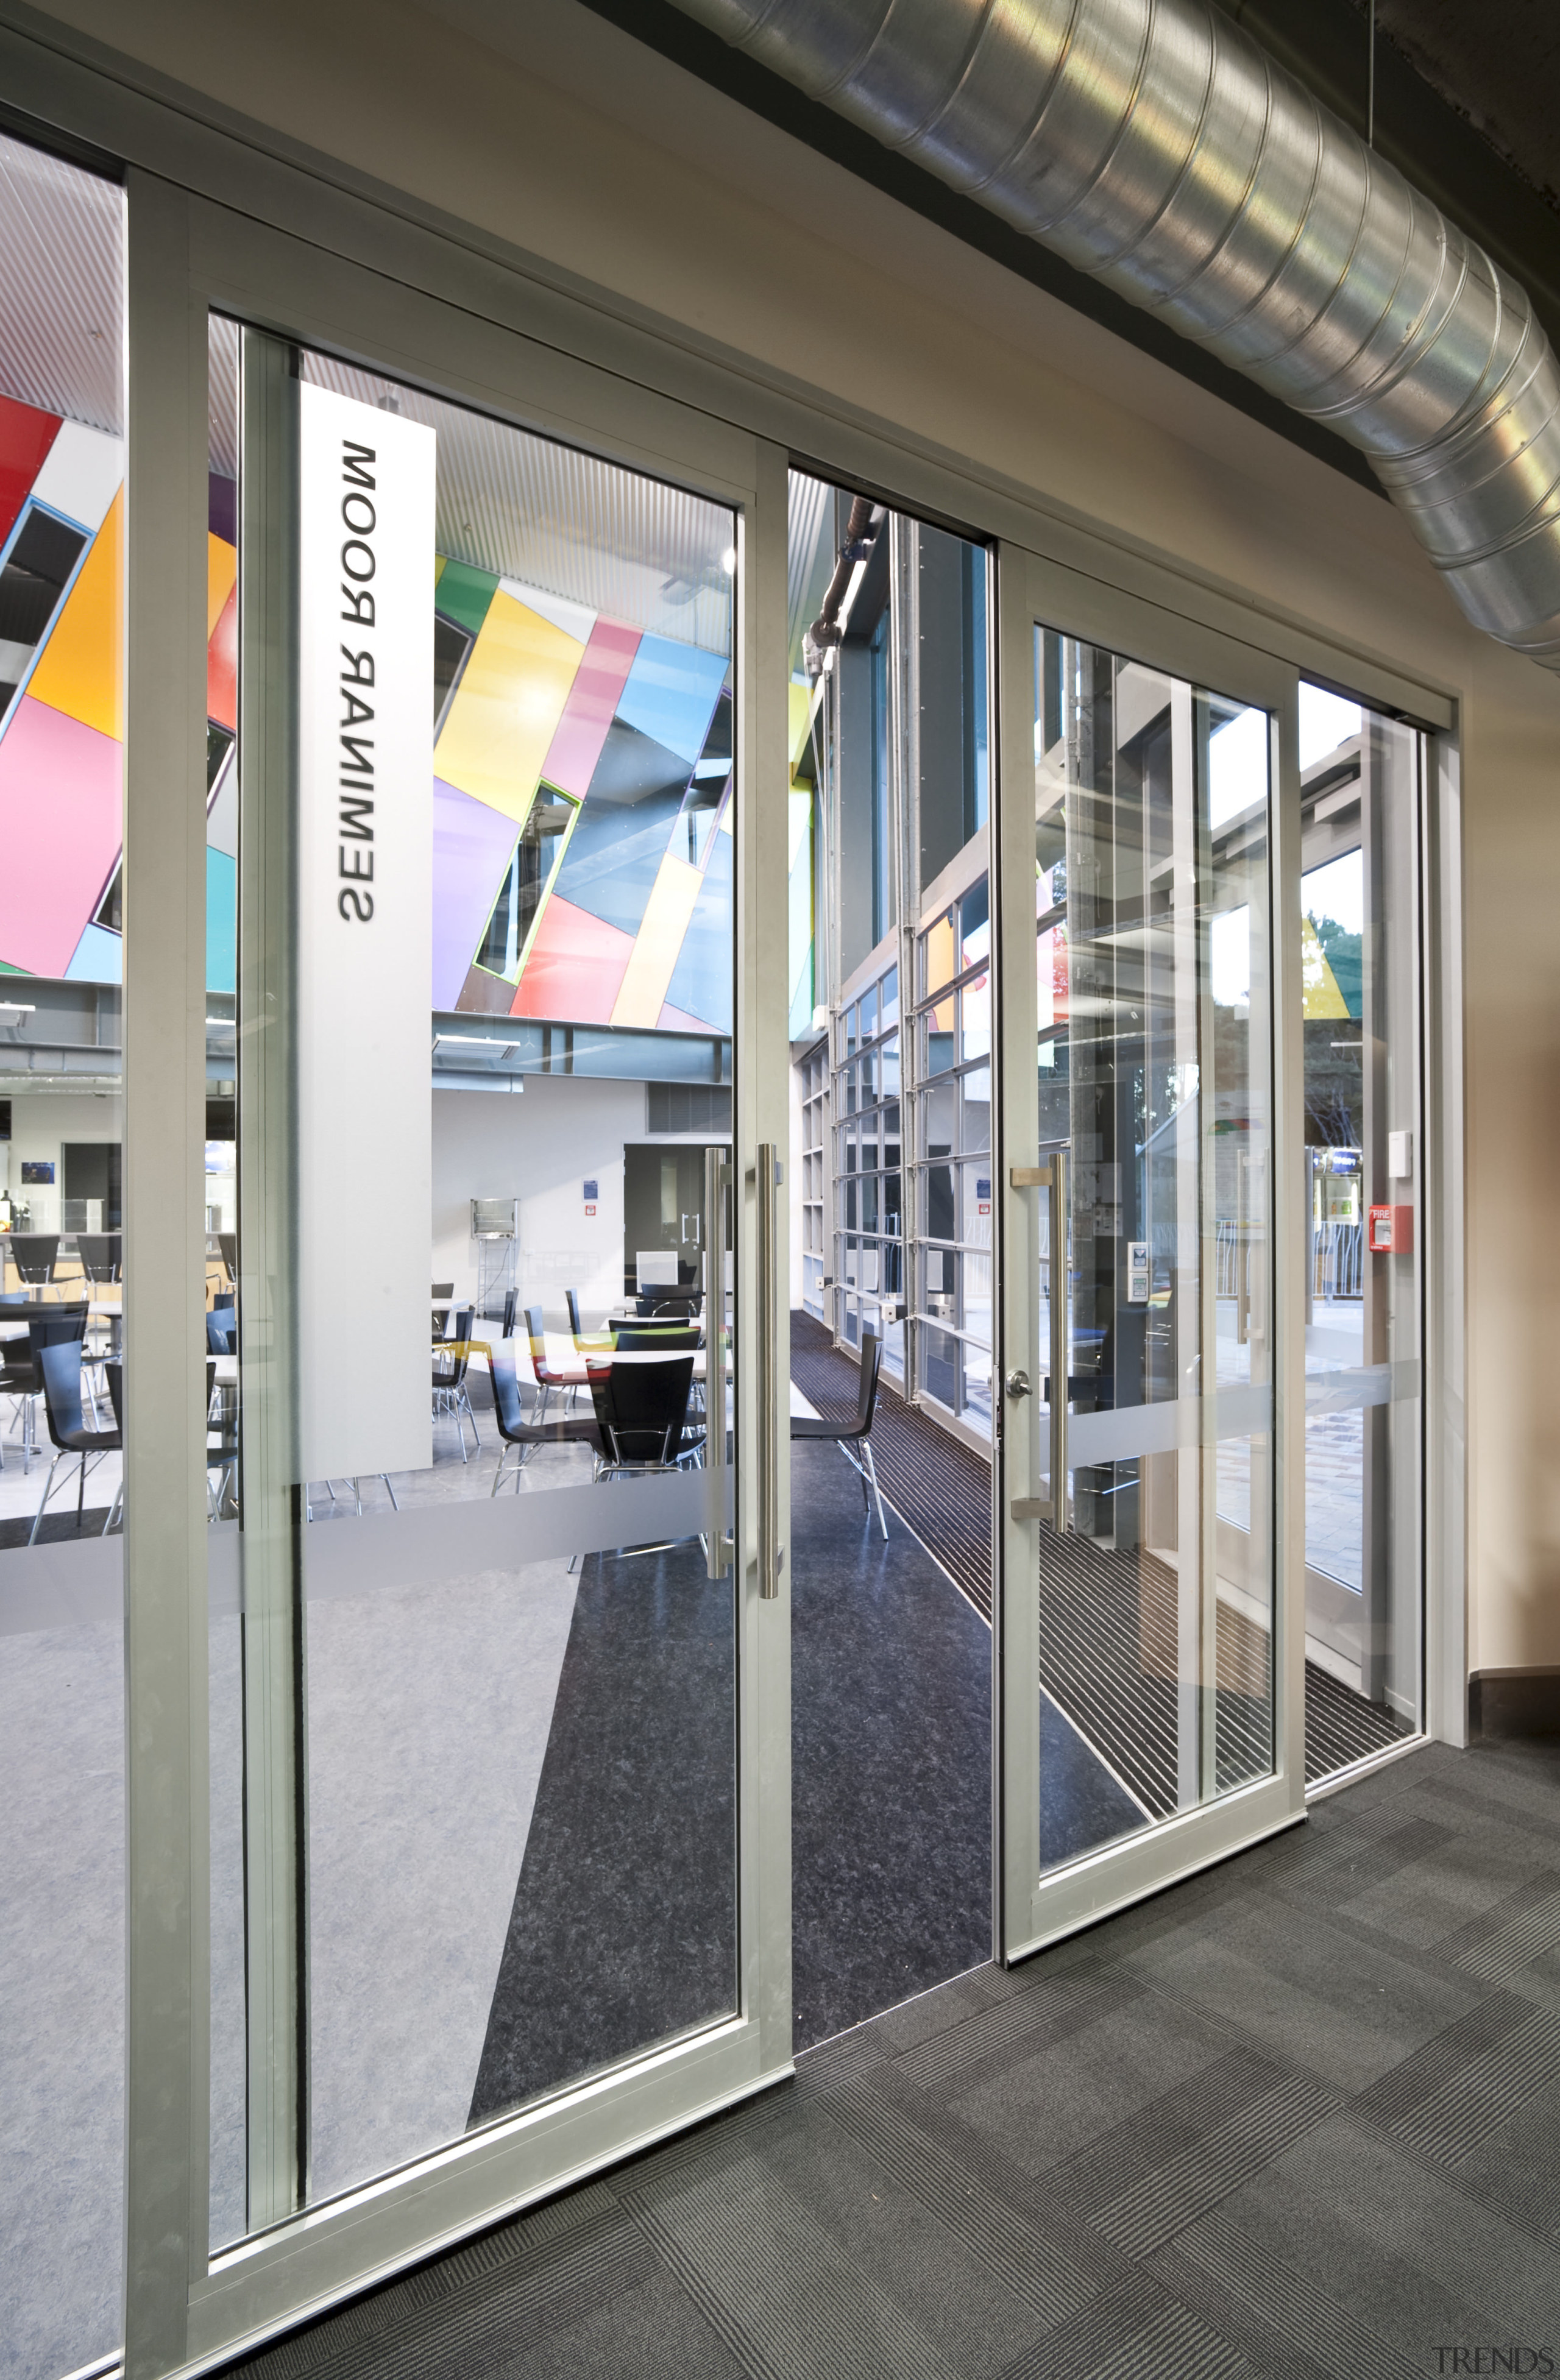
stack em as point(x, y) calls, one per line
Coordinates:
point(1391, 1231)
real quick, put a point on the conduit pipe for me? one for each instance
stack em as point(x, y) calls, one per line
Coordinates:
point(1155, 145)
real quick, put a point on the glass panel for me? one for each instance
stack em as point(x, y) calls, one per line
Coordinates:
point(1157, 1597)
point(975, 1019)
point(499, 1287)
point(890, 1002)
point(939, 1109)
point(976, 1108)
point(974, 925)
point(1359, 775)
point(62, 914)
point(941, 1045)
point(900, 767)
point(939, 955)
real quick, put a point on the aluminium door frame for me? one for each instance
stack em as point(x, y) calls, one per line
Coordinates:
point(187, 2308)
point(1039, 1909)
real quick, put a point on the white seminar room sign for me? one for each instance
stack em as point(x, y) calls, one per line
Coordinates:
point(365, 784)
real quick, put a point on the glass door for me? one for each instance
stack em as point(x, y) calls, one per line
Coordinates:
point(492, 1292)
point(1143, 1655)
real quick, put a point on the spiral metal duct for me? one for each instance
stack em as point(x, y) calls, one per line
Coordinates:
point(1155, 145)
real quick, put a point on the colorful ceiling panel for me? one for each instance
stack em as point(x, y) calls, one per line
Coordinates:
point(26, 436)
point(59, 849)
point(81, 669)
point(509, 702)
point(473, 847)
point(577, 747)
point(61, 691)
point(613, 743)
point(575, 968)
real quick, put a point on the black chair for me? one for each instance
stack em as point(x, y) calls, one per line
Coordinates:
point(101, 1254)
point(673, 1304)
point(59, 1364)
point(113, 1373)
point(222, 1443)
point(222, 1332)
point(524, 1437)
point(668, 1338)
point(34, 1255)
point(588, 1342)
point(548, 1377)
point(20, 1375)
point(857, 1433)
point(452, 1361)
point(229, 1243)
point(641, 1413)
point(511, 1304)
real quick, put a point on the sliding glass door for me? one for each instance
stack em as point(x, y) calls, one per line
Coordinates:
point(486, 1777)
point(1144, 1642)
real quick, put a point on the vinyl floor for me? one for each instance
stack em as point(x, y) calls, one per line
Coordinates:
point(1299, 2117)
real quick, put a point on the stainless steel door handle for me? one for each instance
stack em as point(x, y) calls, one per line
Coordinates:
point(768, 1174)
point(717, 1543)
point(1052, 1178)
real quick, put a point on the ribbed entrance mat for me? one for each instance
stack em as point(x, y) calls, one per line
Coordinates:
point(1342, 1725)
point(1108, 1657)
point(1107, 1620)
point(941, 1489)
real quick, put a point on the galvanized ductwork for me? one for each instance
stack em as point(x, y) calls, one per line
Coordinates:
point(1152, 143)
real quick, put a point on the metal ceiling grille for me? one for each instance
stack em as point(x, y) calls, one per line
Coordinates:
point(62, 287)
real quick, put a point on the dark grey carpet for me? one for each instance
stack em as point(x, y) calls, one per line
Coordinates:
point(624, 1928)
point(1299, 2117)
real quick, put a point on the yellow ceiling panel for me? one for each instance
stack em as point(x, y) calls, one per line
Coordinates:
point(506, 707)
point(222, 569)
point(81, 669)
point(643, 993)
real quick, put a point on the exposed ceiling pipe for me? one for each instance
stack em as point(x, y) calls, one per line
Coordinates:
point(860, 530)
point(1155, 145)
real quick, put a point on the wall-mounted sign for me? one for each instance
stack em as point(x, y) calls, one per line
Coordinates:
point(590, 1197)
point(365, 778)
point(36, 1170)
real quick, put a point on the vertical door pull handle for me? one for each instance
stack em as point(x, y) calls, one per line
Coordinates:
point(767, 1177)
point(717, 1544)
point(1052, 1179)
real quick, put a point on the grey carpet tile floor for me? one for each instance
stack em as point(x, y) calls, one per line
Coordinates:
point(1299, 2118)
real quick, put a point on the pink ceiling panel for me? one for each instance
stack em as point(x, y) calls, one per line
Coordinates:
point(600, 679)
point(61, 821)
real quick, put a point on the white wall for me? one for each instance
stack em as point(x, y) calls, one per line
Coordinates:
point(541, 1146)
point(547, 126)
point(41, 1123)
